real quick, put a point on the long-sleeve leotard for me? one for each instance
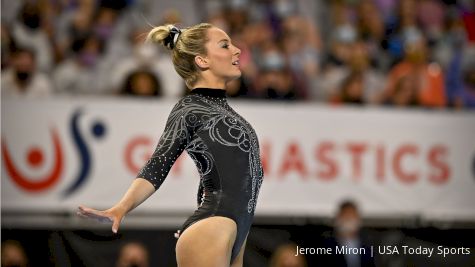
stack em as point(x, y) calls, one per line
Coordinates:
point(225, 149)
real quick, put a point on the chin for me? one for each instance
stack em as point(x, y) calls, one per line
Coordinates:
point(232, 75)
point(237, 74)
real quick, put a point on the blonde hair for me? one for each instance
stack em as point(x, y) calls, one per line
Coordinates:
point(189, 43)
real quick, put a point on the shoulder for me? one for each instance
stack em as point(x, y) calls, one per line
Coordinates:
point(190, 103)
point(189, 112)
point(186, 105)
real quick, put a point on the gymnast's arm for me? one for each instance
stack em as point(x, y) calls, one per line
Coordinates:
point(171, 144)
point(137, 193)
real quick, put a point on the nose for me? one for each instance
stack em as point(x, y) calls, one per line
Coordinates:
point(237, 51)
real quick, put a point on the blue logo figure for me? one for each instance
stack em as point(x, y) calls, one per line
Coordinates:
point(98, 130)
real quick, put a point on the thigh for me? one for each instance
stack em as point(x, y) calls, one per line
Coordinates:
point(207, 243)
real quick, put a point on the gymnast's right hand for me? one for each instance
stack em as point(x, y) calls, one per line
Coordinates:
point(139, 190)
point(113, 215)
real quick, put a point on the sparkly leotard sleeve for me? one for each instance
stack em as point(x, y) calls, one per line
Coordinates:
point(225, 149)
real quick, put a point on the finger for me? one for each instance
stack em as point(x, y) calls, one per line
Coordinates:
point(95, 214)
point(89, 211)
point(82, 208)
point(115, 225)
point(80, 214)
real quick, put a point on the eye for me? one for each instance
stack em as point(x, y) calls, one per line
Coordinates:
point(226, 46)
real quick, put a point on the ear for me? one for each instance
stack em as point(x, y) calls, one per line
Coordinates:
point(202, 62)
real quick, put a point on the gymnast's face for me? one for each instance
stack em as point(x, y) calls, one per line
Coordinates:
point(222, 60)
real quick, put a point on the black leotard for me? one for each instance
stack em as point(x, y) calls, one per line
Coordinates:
point(225, 150)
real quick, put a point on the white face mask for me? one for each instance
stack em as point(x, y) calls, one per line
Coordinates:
point(347, 226)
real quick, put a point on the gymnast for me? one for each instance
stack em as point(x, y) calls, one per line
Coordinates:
point(223, 145)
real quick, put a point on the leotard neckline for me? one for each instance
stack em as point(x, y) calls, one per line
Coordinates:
point(209, 92)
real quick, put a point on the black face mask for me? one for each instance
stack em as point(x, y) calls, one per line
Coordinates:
point(23, 76)
point(32, 21)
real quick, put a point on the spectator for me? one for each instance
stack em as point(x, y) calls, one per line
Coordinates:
point(105, 22)
point(370, 27)
point(430, 14)
point(337, 59)
point(301, 46)
point(142, 55)
point(275, 80)
point(403, 27)
point(456, 58)
point(428, 78)
point(463, 85)
point(370, 24)
point(236, 13)
point(352, 89)
point(22, 79)
point(405, 92)
point(451, 42)
point(347, 233)
point(28, 32)
point(284, 256)
point(370, 42)
point(133, 254)
point(142, 83)
point(13, 254)
point(73, 24)
point(84, 73)
point(356, 74)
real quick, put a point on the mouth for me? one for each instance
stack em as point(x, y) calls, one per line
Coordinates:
point(235, 63)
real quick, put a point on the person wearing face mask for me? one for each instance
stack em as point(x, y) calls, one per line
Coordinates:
point(22, 79)
point(428, 77)
point(347, 224)
point(222, 143)
point(275, 80)
point(85, 72)
point(28, 31)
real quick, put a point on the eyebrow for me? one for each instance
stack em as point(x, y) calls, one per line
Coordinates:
point(224, 40)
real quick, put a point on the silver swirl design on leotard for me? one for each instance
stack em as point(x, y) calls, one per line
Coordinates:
point(188, 117)
point(184, 118)
point(240, 134)
point(198, 152)
point(236, 134)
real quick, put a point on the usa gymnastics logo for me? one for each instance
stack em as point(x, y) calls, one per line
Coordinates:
point(35, 159)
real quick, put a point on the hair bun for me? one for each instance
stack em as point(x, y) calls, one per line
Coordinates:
point(172, 38)
point(166, 35)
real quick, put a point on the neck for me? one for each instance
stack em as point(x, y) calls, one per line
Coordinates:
point(210, 81)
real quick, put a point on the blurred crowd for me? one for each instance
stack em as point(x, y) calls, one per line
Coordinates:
point(400, 53)
point(267, 246)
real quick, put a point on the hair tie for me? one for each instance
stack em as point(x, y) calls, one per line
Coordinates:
point(172, 38)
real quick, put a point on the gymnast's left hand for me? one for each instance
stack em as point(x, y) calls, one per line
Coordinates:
point(113, 215)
